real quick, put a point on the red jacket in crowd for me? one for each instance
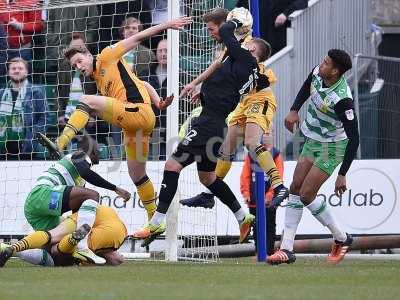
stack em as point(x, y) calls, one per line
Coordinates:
point(21, 19)
point(246, 179)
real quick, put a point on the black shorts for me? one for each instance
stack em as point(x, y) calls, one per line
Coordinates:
point(205, 156)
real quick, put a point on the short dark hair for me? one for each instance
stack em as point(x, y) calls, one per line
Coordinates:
point(263, 49)
point(341, 60)
point(217, 16)
point(72, 50)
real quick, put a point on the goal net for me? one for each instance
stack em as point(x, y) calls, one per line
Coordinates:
point(99, 24)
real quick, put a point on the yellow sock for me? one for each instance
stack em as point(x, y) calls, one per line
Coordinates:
point(222, 168)
point(146, 194)
point(34, 240)
point(76, 122)
point(267, 163)
point(67, 244)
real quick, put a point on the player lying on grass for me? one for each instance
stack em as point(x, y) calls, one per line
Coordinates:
point(220, 93)
point(61, 189)
point(125, 102)
point(332, 137)
point(251, 119)
point(104, 239)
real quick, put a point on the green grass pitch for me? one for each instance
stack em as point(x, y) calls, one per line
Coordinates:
point(229, 279)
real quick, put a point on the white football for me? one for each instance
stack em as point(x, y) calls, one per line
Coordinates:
point(244, 16)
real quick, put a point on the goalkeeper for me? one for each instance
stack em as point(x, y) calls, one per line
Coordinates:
point(252, 117)
point(61, 189)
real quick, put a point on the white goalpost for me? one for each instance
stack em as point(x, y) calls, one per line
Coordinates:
point(191, 232)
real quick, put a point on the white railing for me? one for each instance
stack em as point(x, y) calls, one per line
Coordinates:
point(325, 24)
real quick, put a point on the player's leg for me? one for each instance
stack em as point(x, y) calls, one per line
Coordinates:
point(173, 166)
point(252, 140)
point(224, 162)
point(137, 149)
point(221, 190)
point(329, 157)
point(293, 212)
point(80, 117)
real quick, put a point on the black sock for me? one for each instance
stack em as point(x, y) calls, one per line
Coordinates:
point(222, 191)
point(168, 189)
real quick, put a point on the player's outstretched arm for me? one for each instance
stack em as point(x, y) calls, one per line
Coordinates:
point(160, 103)
point(131, 42)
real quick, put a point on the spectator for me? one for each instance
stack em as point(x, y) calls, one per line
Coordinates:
point(20, 25)
point(61, 24)
point(3, 56)
point(246, 185)
point(274, 20)
point(158, 79)
point(22, 114)
point(139, 58)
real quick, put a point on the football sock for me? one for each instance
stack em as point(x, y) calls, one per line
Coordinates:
point(34, 240)
point(169, 186)
point(76, 122)
point(321, 212)
point(222, 191)
point(266, 162)
point(222, 168)
point(293, 214)
point(86, 215)
point(145, 190)
point(67, 244)
point(37, 257)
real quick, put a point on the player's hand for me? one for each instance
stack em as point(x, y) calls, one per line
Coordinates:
point(123, 193)
point(280, 20)
point(195, 97)
point(292, 120)
point(164, 103)
point(179, 23)
point(187, 90)
point(340, 185)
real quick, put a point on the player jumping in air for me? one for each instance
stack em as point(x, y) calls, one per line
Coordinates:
point(125, 103)
point(219, 95)
point(252, 118)
point(332, 138)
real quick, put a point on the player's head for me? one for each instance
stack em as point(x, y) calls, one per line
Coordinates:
point(214, 19)
point(80, 58)
point(17, 69)
point(130, 26)
point(335, 64)
point(259, 48)
point(162, 52)
point(90, 147)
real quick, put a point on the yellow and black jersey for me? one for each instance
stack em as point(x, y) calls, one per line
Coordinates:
point(115, 79)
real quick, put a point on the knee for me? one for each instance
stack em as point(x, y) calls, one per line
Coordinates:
point(251, 143)
point(207, 179)
point(306, 195)
point(173, 166)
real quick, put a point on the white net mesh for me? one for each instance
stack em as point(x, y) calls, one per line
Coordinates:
point(99, 25)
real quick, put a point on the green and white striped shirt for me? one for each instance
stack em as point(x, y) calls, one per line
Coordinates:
point(322, 123)
point(63, 172)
